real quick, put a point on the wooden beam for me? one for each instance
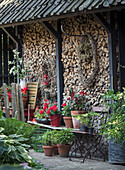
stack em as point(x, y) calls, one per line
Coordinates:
point(112, 53)
point(11, 35)
point(59, 66)
point(121, 44)
point(52, 31)
point(102, 21)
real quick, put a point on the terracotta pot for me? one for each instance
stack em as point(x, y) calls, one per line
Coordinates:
point(55, 120)
point(48, 150)
point(76, 123)
point(63, 150)
point(68, 122)
point(55, 150)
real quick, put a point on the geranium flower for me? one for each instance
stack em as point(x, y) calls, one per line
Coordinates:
point(41, 111)
point(48, 111)
point(45, 100)
point(64, 104)
point(54, 108)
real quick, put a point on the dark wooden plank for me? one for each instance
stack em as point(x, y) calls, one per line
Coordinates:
point(102, 21)
point(50, 29)
point(121, 44)
point(112, 53)
point(1, 57)
point(11, 46)
point(59, 66)
point(5, 54)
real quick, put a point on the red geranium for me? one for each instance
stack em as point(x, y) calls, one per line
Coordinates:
point(41, 111)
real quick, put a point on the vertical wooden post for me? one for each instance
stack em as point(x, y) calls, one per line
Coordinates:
point(17, 102)
point(59, 66)
point(6, 101)
point(13, 99)
point(112, 53)
point(121, 44)
point(21, 105)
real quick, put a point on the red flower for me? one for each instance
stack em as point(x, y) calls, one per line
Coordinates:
point(64, 104)
point(54, 108)
point(46, 105)
point(41, 112)
point(9, 96)
point(25, 88)
point(44, 108)
point(50, 108)
point(55, 102)
point(68, 98)
point(48, 111)
point(45, 100)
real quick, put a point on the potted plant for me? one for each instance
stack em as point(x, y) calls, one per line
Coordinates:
point(91, 116)
point(64, 138)
point(55, 148)
point(47, 141)
point(67, 112)
point(114, 127)
point(84, 120)
point(78, 107)
point(51, 110)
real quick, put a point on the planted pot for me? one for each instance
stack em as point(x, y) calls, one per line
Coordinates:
point(43, 121)
point(55, 120)
point(83, 128)
point(63, 150)
point(48, 150)
point(90, 129)
point(116, 153)
point(68, 122)
point(76, 123)
point(55, 150)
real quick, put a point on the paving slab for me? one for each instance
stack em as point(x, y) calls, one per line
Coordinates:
point(58, 163)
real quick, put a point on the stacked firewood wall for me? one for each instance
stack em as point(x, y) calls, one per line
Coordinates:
point(70, 58)
point(39, 47)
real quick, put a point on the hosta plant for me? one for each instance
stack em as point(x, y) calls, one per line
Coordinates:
point(12, 149)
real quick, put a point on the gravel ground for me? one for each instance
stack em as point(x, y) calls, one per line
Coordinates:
point(57, 163)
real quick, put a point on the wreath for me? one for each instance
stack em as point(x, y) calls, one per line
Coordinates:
point(89, 51)
point(84, 49)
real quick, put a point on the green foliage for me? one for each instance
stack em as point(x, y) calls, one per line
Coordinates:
point(17, 66)
point(47, 138)
point(63, 137)
point(87, 118)
point(83, 118)
point(36, 165)
point(12, 149)
point(115, 124)
point(13, 126)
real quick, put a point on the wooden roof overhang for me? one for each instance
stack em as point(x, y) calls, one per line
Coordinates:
point(45, 10)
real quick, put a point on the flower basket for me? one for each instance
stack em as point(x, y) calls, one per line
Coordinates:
point(55, 120)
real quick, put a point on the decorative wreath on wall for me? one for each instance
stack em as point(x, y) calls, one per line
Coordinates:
point(84, 49)
point(87, 52)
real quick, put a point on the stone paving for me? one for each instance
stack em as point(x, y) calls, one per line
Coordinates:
point(57, 163)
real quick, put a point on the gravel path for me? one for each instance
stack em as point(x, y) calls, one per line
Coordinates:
point(57, 163)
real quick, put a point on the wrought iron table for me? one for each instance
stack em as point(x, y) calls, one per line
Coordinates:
point(84, 143)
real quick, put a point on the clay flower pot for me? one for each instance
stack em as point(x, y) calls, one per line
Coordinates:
point(55, 120)
point(76, 123)
point(68, 122)
point(48, 150)
point(63, 150)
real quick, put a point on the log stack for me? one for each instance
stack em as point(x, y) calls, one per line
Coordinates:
point(39, 47)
